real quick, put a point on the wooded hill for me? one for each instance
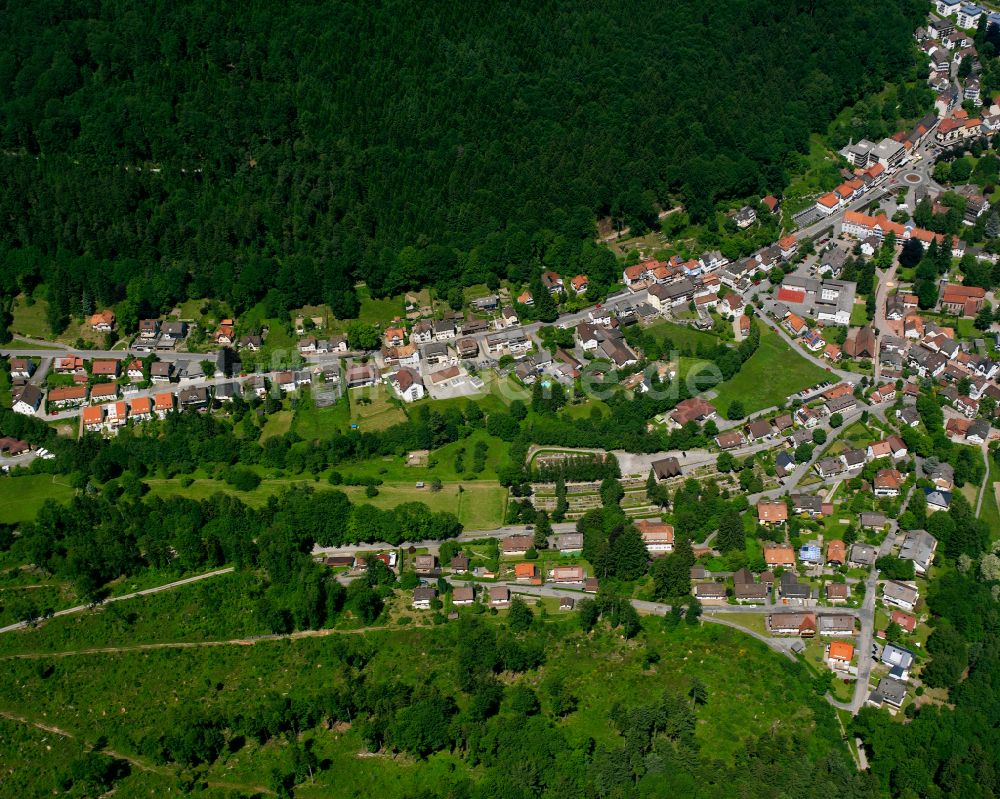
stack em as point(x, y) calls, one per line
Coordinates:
point(163, 150)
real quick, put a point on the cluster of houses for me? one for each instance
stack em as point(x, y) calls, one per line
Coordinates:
point(677, 282)
point(155, 334)
point(946, 41)
point(107, 390)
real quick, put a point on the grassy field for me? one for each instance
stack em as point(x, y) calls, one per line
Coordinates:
point(277, 424)
point(859, 315)
point(311, 422)
point(479, 505)
point(682, 335)
point(21, 497)
point(372, 408)
point(378, 311)
point(772, 374)
point(30, 320)
point(124, 697)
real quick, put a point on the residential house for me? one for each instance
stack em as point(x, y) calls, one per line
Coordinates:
point(839, 655)
point(872, 520)
point(779, 555)
point(148, 328)
point(811, 505)
point(499, 596)
point(907, 622)
point(978, 432)
point(811, 553)
point(888, 692)
point(28, 400)
point(516, 545)
point(463, 595)
point(836, 592)
point(759, 430)
point(425, 564)
point(226, 333)
point(579, 284)
point(422, 333)
point(784, 464)
point(569, 543)
point(394, 337)
point(102, 322)
point(836, 552)
point(408, 384)
point(525, 572)
point(745, 217)
point(732, 305)
point(896, 657)
point(21, 368)
point(337, 344)
point(943, 476)
point(69, 365)
point(829, 467)
point(710, 593)
point(657, 536)
point(884, 393)
point(468, 348)
point(460, 564)
point(444, 330)
point(67, 396)
point(919, 546)
point(695, 409)
point(937, 499)
point(551, 282)
point(567, 574)
point(93, 419)
point(423, 596)
point(195, 398)
point(251, 343)
point(161, 372)
point(900, 595)
point(836, 624)
point(163, 404)
point(105, 367)
point(361, 375)
point(751, 593)
point(117, 414)
point(141, 409)
point(103, 392)
point(730, 439)
point(800, 624)
point(887, 483)
point(134, 371)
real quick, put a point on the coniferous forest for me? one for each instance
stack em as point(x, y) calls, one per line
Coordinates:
point(159, 151)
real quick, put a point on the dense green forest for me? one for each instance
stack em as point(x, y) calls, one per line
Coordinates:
point(159, 151)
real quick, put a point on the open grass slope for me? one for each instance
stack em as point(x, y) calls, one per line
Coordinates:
point(772, 374)
point(478, 505)
point(22, 496)
point(373, 408)
point(682, 335)
point(128, 696)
